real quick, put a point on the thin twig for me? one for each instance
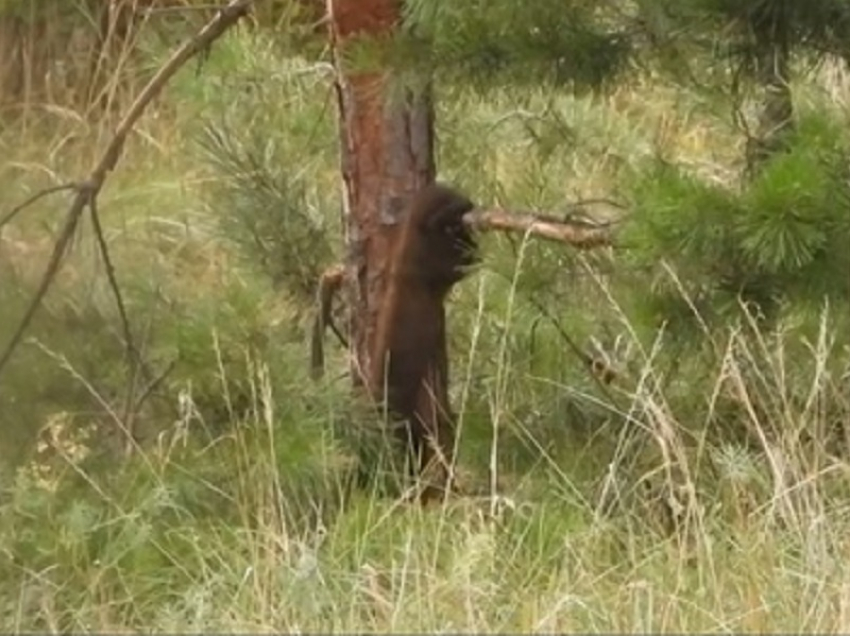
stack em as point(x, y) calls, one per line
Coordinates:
point(601, 373)
point(153, 385)
point(83, 192)
point(132, 352)
point(38, 195)
point(178, 9)
point(89, 189)
point(135, 362)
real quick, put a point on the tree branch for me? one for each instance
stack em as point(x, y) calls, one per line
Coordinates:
point(582, 233)
point(38, 195)
point(87, 190)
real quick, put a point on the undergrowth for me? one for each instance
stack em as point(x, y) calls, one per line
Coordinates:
point(705, 489)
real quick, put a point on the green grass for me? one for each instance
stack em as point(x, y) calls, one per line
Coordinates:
point(234, 511)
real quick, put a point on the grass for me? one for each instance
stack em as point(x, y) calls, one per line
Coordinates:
point(706, 493)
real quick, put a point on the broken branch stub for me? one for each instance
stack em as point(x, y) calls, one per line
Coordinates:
point(329, 285)
point(584, 234)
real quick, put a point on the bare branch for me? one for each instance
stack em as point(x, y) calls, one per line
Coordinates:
point(223, 20)
point(38, 195)
point(183, 8)
point(581, 233)
point(134, 358)
point(87, 190)
point(73, 217)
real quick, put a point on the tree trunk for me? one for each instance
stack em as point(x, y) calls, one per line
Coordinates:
point(386, 146)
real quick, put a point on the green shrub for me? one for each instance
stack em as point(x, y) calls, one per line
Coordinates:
point(774, 245)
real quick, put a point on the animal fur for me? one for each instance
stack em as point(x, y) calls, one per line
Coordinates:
point(410, 369)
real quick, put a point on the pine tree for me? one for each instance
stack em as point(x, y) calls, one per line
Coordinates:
point(762, 43)
point(774, 241)
point(387, 142)
point(497, 43)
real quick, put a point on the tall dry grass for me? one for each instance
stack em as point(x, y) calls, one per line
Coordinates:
point(702, 492)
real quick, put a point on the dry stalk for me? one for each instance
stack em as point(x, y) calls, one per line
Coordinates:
point(86, 190)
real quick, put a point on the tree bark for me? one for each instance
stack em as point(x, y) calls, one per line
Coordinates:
point(386, 147)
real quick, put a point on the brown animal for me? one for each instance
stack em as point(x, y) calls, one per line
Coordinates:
point(410, 368)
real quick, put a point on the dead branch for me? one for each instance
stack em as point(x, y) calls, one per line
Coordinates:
point(601, 372)
point(34, 198)
point(84, 192)
point(581, 233)
point(113, 281)
point(183, 8)
point(87, 190)
point(330, 283)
